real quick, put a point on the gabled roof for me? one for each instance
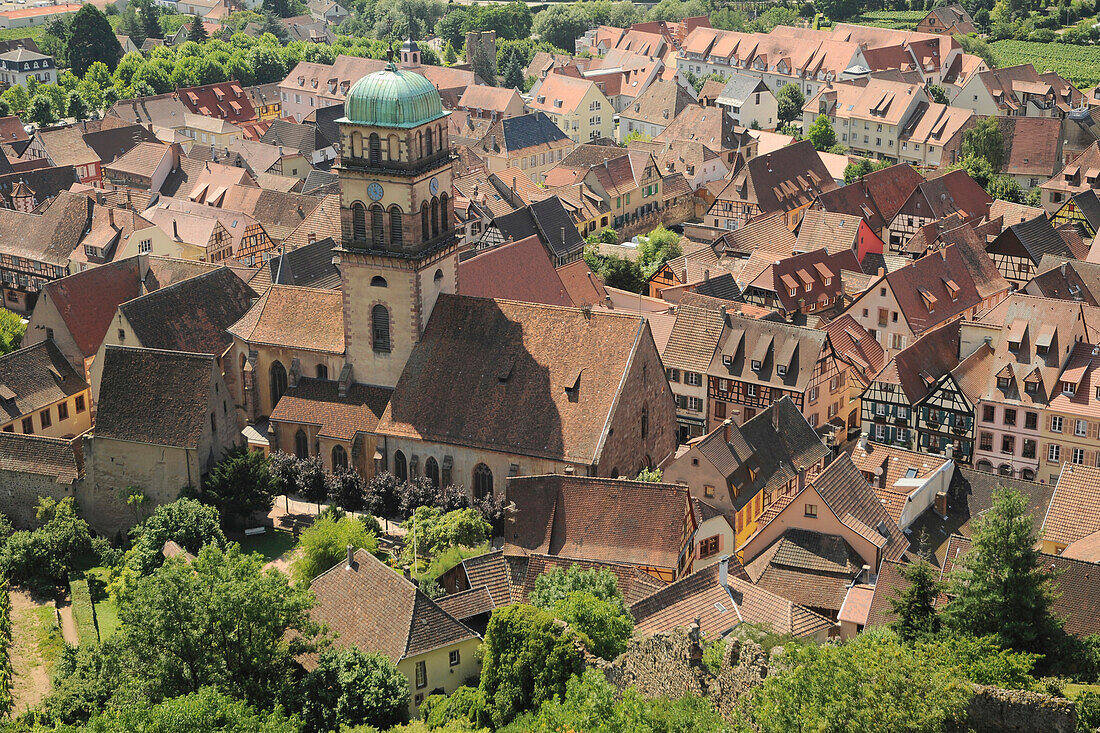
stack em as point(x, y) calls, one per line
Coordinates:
point(1074, 510)
point(295, 137)
point(781, 181)
point(775, 346)
point(608, 520)
point(810, 568)
point(519, 270)
point(372, 608)
point(659, 104)
point(223, 100)
point(561, 94)
point(876, 197)
point(55, 458)
point(855, 344)
point(1038, 237)
point(340, 417)
point(307, 266)
point(33, 377)
point(50, 236)
point(885, 465)
point(302, 318)
point(852, 499)
point(918, 366)
point(484, 97)
point(87, 301)
point(694, 338)
point(191, 315)
point(545, 219)
point(508, 369)
point(155, 397)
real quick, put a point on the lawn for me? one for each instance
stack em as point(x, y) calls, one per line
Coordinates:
point(1079, 64)
point(272, 544)
point(106, 618)
point(903, 20)
point(48, 633)
point(1073, 690)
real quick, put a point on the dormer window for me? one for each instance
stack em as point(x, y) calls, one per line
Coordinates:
point(756, 365)
point(781, 370)
point(1031, 388)
point(828, 281)
point(1002, 382)
point(1069, 388)
point(727, 360)
point(794, 292)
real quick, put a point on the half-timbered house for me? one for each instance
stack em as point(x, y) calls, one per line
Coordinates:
point(1082, 210)
point(953, 193)
point(1018, 249)
point(945, 419)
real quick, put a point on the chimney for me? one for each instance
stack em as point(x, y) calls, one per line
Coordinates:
point(726, 428)
point(111, 216)
point(175, 230)
point(563, 238)
point(881, 271)
point(941, 504)
point(684, 275)
point(949, 451)
point(724, 572)
point(863, 441)
point(351, 558)
point(1063, 268)
point(706, 274)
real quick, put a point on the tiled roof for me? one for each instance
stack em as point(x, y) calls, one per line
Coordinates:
point(87, 301)
point(280, 213)
point(890, 583)
point(295, 137)
point(659, 104)
point(321, 223)
point(694, 338)
point(822, 229)
point(483, 97)
point(50, 236)
point(781, 181)
point(854, 502)
point(885, 465)
point(1075, 505)
point(1013, 213)
point(318, 402)
point(155, 397)
point(224, 100)
point(372, 608)
point(917, 367)
point(710, 126)
point(719, 610)
point(55, 458)
point(583, 286)
point(560, 94)
point(777, 346)
point(1039, 237)
point(854, 343)
point(809, 568)
point(877, 197)
point(302, 318)
point(33, 377)
point(141, 160)
point(165, 110)
point(467, 603)
point(518, 270)
point(1087, 548)
point(634, 583)
point(606, 520)
point(66, 146)
point(191, 315)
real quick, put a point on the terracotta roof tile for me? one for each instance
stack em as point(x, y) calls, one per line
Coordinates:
point(1075, 506)
point(56, 458)
point(36, 376)
point(318, 402)
point(304, 318)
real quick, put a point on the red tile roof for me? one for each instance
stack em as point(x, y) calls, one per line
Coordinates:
point(514, 271)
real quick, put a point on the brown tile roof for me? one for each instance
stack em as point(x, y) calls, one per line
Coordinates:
point(659, 104)
point(583, 286)
point(1075, 506)
point(694, 338)
point(280, 213)
point(560, 94)
point(223, 100)
point(302, 318)
point(917, 367)
point(781, 181)
point(490, 571)
point(318, 402)
point(710, 126)
point(322, 222)
point(877, 197)
point(773, 344)
point(890, 583)
point(371, 607)
point(508, 365)
point(719, 610)
point(50, 236)
point(155, 397)
point(141, 160)
point(1013, 213)
point(607, 520)
point(1087, 548)
point(855, 344)
point(467, 603)
point(822, 229)
point(87, 301)
point(483, 97)
point(56, 458)
point(851, 498)
point(885, 465)
point(634, 583)
point(33, 377)
point(809, 568)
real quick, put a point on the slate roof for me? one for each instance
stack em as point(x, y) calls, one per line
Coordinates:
point(720, 610)
point(155, 397)
point(606, 520)
point(372, 608)
point(45, 183)
point(35, 376)
point(307, 266)
point(318, 402)
point(1039, 237)
point(302, 318)
point(505, 366)
point(191, 315)
point(297, 137)
point(55, 458)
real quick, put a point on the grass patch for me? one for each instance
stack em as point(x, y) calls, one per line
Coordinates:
point(1073, 690)
point(903, 20)
point(35, 33)
point(106, 618)
point(272, 544)
point(83, 612)
point(50, 641)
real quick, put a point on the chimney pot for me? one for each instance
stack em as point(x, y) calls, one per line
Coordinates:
point(351, 557)
point(724, 572)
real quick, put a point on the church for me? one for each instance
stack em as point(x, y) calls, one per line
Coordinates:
point(394, 372)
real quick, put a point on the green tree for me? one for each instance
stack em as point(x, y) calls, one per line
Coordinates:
point(657, 248)
point(45, 556)
point(837, 9)
point(77, 107)
point(603, 625)
point(270, 24)
point(436, 531)
point(56, 35)
point(197, 32)
point(513, 73)
point(352, 687)
point(649, 475)
point(791, 100)
point(974, 45)
point(240, 484)
point(150, 18)
point(325, 543)
point(12, 330)
point(130, 25)
point(221, 620)
point(41, 111)
point(527, 659)
point(483, 63)
point(17, 99)
point(555, 586)
point(821, 133)
point(561, 24)
point(190, 524)
point(450, 58)
point(1000, 588)
point(312, 482)
point(382, 496)
point(92, 39)
point(938, 93)
point(346, 489)
point(1005, 188)
point(985, 141)
point(915, 606)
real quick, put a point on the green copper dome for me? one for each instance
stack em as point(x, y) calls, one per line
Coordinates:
point(392, 98)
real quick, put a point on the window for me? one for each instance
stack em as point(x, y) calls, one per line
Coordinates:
point(1029, 448)
point(880, 409)
point(28, 425)
point(1010, 417)
point(720, 410)
point(396, 226)
point(400, 467)
point(750, 390)
point(358, 221)
point(1054, 452)
point(339, 458)
point(985, 441)
point(79, 403)
point(453, 657)
point(380, 327)
point(301, 444)
point(431, 470)
point(756, 365)
point(673, 375)
point(988, 413)
point(811, 510)
point(695, 404)
point(812, 396)
point(708, 491)
point(1056, 423)
point(1081, 428)
point(421, 675)
point(1031, 420)
point(278, 383)
point(903, 413)
point(63, 411)
point(781, 370)
point(1008, 444)
point(483, 481)
point(377, 227)
point(1078, 456)
point(709, 547)
point(145, 245)
point(45, 418)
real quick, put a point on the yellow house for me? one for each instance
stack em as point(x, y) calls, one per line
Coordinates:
point(371, 607)
point(575, 105)
point(41, 393)
point(266, 101)
point(208, 130)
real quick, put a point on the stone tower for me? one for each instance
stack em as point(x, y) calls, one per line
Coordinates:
point(398, 250)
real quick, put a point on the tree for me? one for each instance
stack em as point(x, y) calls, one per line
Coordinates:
point(12, 330)
point(915, 606)
point(527, 659)
point(278, 8)
point(283, 468)
point(132, 26)
point(977, 168)
point(435, 532)
point(821, 133)
point(1000, 588)
point(189, 523)
point(649, 475)
point(561, 24)
point(57, 32)
point(450, 58)
point(77, 108)
point(325, 543)
point(938, 94)
point(197, 32)
point(555, 586)
point(791, 100)
point(352, 687)
point(1005, 188)
point(417, 492)
point(657, 248)
point(483, 63)
point(312, 483)
point(240, 484)
point(985, 141)
point(382, 496)
point(41, 110)
point(862, 166)
point(270, 24)
point(346, 490)
point(513, 74)
point(977, 46)
point(92, 39)
point(150, 18)
point(603, 625)
point(44, 557)
point(221, 620)
point(837, 9)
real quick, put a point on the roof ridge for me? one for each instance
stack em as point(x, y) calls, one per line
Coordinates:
point(174, 352)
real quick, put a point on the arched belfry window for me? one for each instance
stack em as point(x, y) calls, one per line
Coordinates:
point(380, 327)
point(375, 148)
point(377, 226)
point(358, 221)
point(396, 226)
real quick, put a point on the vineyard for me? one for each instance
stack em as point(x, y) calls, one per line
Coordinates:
point(1079, 64)
point(903, 20)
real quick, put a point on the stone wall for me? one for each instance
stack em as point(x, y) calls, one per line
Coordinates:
point(993, 710)
point(676, 213)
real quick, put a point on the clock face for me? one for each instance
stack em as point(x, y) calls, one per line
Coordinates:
point(433, 186)
point(374, 191)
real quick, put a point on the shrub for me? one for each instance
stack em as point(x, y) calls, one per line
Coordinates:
point(324, 544)
point(6, 673)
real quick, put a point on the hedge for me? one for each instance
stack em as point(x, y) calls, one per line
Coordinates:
point(83, 612)
point(6, 674)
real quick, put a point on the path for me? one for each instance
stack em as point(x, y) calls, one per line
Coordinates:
point(68, 624)
point(32, 681)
